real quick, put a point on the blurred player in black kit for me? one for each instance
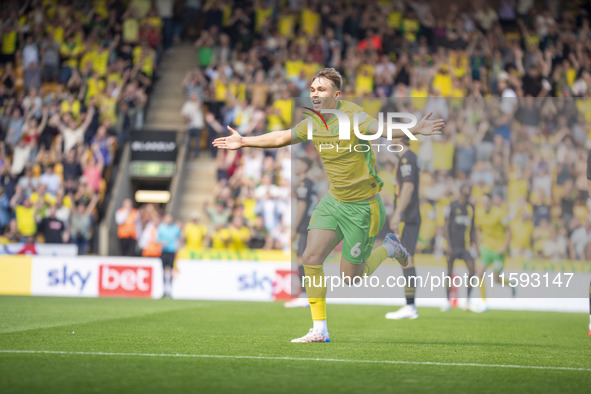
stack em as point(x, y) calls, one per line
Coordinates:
point(460, 234)
point(406, 221)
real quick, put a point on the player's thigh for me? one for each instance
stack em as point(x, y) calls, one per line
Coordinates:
point(360, 226)
point(320, 244)
point(323, 231)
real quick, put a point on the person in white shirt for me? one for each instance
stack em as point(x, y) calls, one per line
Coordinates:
point(28, 183)
point(193, 115)
point(71, 134)
point(20, 156)
point(51, 180)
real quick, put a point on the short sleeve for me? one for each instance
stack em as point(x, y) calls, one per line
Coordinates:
point(365, 122)
point(301, 130)
point(408, 171)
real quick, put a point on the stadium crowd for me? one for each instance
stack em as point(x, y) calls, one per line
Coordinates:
point(74, 79)
point(511, 78)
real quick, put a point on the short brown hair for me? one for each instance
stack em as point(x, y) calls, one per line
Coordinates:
point(332, 75)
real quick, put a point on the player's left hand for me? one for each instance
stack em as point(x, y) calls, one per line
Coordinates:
point(232, 142)
point(429, 127)
point(395, 222)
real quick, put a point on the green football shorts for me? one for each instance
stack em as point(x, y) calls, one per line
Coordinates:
point(490, 257)
point(358, 223)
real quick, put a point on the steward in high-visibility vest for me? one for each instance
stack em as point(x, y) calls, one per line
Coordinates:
point(128, 222)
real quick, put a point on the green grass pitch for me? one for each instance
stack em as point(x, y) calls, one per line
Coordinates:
point(141, 342)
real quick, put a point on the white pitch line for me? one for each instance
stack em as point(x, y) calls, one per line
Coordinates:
point(335, 360)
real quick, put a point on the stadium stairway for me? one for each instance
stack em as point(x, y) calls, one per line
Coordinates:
point(197, 177)
point(199, 181)
point(167, 98)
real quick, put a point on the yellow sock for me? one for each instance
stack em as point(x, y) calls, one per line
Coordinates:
point(376, 258)
point(316, 290)
point(483, 290)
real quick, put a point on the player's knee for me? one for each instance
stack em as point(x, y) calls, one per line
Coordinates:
point(311, 257)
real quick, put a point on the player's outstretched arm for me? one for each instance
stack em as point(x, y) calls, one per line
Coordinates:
point(425, 126)
point(274, 139)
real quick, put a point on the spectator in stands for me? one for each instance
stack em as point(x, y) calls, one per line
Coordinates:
point(93, 168)
point(54, 230)
point(258, 234)
point(27, 182)
point(195, 234)
point(72, 170)
point(81, 222)
point(4, 210)
point(128, 227)
point(193, 116)
point(239, 233)
point(51, 180)
point(218, 215)
point(25, 213)
point(220, 237)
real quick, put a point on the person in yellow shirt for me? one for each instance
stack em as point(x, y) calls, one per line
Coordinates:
point(443, 154)
point(9, 42)
point(494, 237)
point(280, 112)
point(293, 66)
point(145, 57)
point(239, 233)
point(286, 24)
point(522, 228)
point(309, 22)
point(364, 82)
point(442, 81)
point(221, 238)
point(70, 52)
point(195, 233)
point(25, 212)
point(94, 88)
point(100, 58)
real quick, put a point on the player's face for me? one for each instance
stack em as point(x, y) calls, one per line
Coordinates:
point(323, 94)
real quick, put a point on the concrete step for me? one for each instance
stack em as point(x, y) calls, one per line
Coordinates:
point(157, 125)
point(164, 116)
point(202, 165)
point(172, 89)
point(170, 104)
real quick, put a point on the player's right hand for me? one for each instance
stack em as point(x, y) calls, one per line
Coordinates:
point(448, 251)
point(232, 142)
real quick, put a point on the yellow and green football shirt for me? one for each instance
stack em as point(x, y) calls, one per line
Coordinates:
point(349, 164)
point(492, 225)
